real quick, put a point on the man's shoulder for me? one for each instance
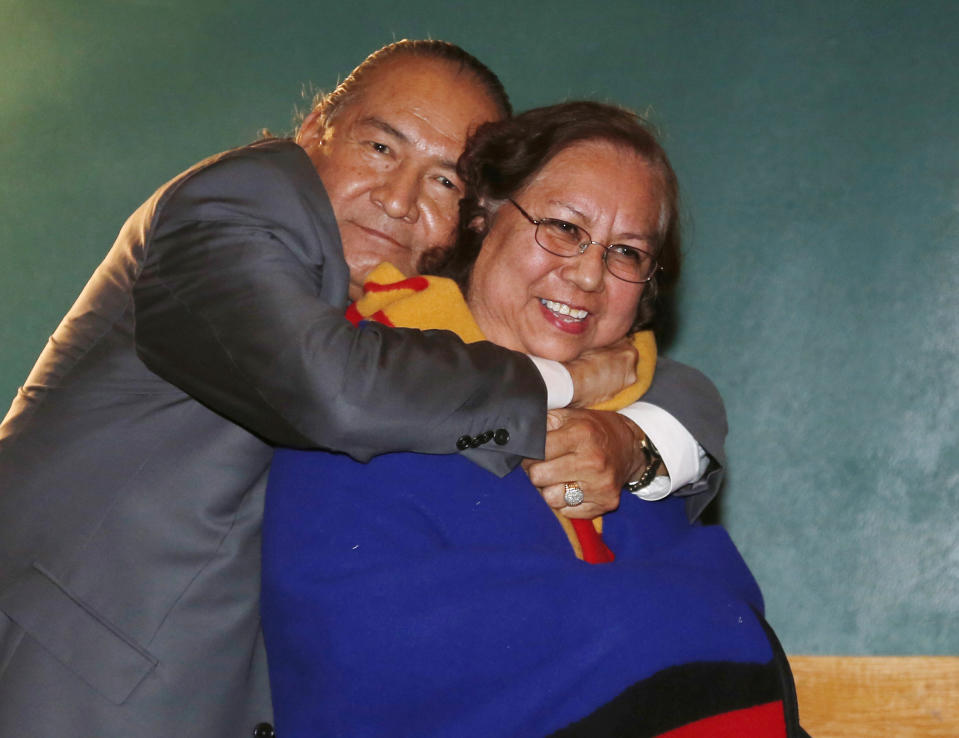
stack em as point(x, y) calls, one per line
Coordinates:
point(673, 371)
point(270, 153)
point(265, 181)
point(260, 166)
point(691, 397)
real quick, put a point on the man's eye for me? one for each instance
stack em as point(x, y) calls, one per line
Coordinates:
point(379, 148)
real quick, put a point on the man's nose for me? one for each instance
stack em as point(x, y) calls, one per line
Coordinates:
point(587, 271)
point(398, 194)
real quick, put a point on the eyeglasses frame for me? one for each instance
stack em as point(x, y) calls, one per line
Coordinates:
point(585, 245)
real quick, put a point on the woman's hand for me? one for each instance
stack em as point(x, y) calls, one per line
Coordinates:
point(599, 374)
point(597, 449)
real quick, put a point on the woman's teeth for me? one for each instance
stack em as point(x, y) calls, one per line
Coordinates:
point(564, 310)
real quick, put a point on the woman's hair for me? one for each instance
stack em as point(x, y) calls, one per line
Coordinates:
point(329, 104)
point(503, 156)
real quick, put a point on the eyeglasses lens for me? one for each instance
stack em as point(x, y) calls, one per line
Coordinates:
point(566, 239)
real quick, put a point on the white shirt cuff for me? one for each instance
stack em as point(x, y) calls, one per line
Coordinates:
point(685, 460)
point(559, 384)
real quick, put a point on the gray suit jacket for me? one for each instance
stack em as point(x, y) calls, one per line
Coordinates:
point(133, 460)
point(695, 402)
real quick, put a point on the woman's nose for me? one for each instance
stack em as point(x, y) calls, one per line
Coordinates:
point(587, 271)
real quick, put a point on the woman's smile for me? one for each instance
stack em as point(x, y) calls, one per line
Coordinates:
point(562, 316)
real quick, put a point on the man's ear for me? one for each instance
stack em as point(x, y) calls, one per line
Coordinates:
point(311, 130)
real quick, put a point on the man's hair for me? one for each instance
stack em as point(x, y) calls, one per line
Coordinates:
point(503, 156)
point(331, 103)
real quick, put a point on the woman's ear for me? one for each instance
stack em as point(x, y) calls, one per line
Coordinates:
point(485, 211)
point(478, 224)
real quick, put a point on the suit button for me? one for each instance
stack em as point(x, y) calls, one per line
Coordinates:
point(501, 437)
point(264, 730)
point(463, 442)
point(486, 437)
point(476, 441)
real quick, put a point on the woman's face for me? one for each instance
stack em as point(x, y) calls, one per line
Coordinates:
point(530, 300)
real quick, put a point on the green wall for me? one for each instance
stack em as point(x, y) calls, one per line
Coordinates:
point(818, 148)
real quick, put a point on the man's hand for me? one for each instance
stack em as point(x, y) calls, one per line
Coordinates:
point(601, 373)
point(598, 450)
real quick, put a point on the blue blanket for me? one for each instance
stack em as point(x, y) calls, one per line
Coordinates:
point(421, 596)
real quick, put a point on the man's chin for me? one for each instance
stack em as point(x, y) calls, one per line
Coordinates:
point(370, 247)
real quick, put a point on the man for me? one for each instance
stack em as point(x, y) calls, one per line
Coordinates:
point(133, 460)
point(395, 195)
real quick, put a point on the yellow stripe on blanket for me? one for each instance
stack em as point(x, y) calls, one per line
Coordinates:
point(438, 306)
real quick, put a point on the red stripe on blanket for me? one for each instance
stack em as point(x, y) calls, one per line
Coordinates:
point(353, 315)
point(594, 550)
point(417, 284)
point(762, 721)
point(356, 317)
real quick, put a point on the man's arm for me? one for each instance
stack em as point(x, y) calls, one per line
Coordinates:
point(601, 450)
point(689, 397)
point(240, 303)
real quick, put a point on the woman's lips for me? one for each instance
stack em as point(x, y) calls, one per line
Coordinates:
point(565, 317)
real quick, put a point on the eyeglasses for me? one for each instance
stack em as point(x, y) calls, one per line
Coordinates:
point(558, 237)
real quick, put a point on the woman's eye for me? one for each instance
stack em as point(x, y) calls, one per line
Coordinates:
point(567, 231)
point(447, 183)
point(630, 253)
point(627, 252)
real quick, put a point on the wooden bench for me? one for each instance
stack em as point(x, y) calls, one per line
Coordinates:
point(878, 696)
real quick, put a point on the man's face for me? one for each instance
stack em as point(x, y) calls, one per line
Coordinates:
point(388, 161)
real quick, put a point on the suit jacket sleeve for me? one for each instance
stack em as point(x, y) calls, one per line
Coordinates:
point(695, 402)
point(240, 304)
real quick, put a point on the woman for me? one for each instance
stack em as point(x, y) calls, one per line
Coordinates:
point(408, 604)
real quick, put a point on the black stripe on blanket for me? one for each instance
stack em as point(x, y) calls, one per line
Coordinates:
point(678, 696)
point(683, 694)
